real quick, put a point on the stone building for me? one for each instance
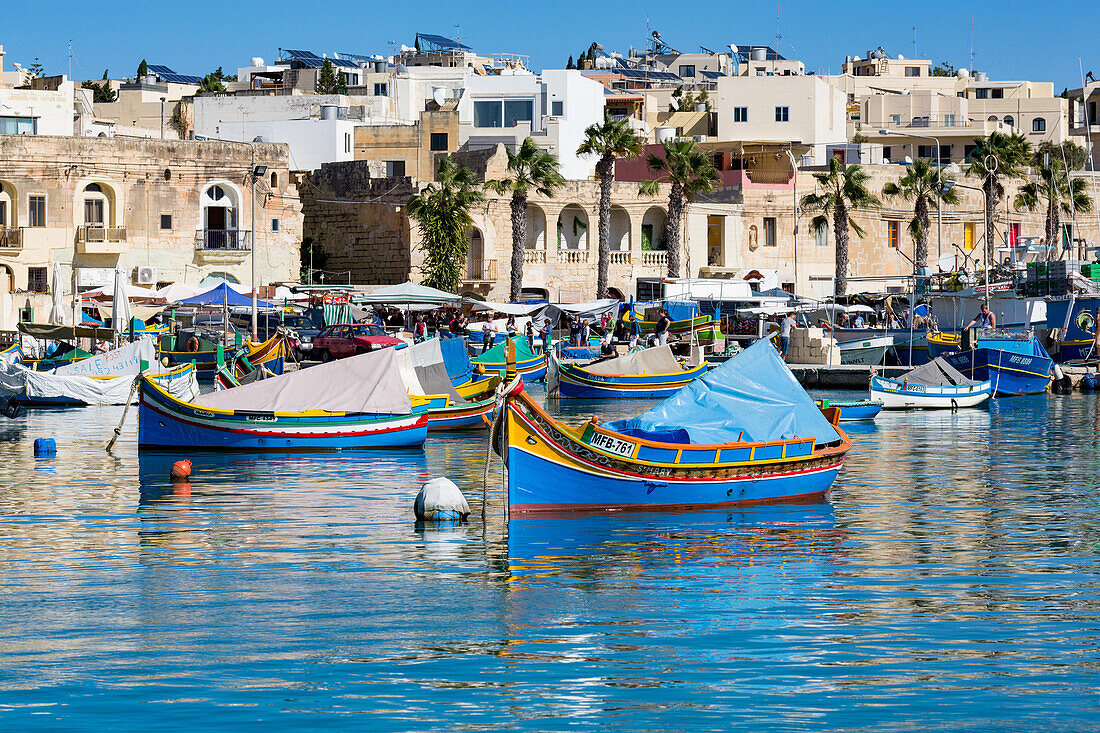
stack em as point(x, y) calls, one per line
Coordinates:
point(164, 211)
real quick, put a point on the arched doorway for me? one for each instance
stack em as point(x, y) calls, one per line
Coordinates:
point(620, 229)
point(97, 212)
point(573, 228)
point(7, 279)
point(615, 293)
point(8, 199)
point(220, 204)
point(477, 267)
point(653, 228)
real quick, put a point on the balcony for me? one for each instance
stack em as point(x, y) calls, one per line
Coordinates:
point(222, 246)
point(573, 256)
point(99, 239)
point(11, 238)
point(620, 257)
point(481, 271)
point(534, 257)
point(654, 258)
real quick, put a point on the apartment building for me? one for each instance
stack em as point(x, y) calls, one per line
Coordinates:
point(164, 211)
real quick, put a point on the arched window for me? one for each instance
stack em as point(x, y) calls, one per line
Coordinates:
point(274, 181)
point(1010, 121)
point(1038, 125)
point(94, 188)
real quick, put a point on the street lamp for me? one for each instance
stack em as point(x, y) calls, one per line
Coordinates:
point(257, 171)
point(939, 179)
point(794, 169)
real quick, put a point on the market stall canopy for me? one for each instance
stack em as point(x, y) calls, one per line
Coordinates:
point(223, 294)
point(511, 309)
point(141, 312)
point(408, 293)
point(132, 291)
point(589, 311)
point(176, 291)
point(65, 333)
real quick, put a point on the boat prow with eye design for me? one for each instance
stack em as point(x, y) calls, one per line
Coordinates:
point(746, 433)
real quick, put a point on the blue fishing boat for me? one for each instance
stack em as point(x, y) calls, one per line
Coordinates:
point(746, 433)
point(650, 374)
point(511, 358)
point(358, 402)
point(1013, 361)
point(1075, 318)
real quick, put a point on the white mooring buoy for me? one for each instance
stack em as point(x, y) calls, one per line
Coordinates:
point(440, 500)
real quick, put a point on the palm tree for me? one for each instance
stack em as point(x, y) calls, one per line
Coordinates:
point(610, 140)
point(442, 212)
point(531, 169)
point(843, 190)
point(691, 172)
point(922, 185)
point(995, 159)
point(1060, 193)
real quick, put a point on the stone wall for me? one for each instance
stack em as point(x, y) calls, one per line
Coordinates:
point(358, 219)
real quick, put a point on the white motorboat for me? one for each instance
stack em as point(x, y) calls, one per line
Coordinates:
point(868, 351)
point(935, 385)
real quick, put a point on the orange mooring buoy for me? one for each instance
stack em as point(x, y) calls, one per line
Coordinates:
point(181, 470)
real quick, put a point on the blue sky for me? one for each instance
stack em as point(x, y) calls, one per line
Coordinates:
point(1012, 40)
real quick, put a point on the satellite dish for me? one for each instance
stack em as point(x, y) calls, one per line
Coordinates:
point(733, 49)
point(908, 160)
point(946, 262)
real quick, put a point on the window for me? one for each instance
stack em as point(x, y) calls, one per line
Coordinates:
point(912, 71)
point(557, 108)
point(981, 94)
point(998, 93)
point(920, 122)
point(895, 120)
point(894, 232)
point(503, 113)
point(165, 221)
point(1010, 121)
point(395, 169)
point(18, 125)
point(1038, 125)
point(274, 223)
point(36, 211)
point(821, 236)
point(925, 151)
point(647, 236)
point(36, 280)
point(349, 78)
point(687, 70)
point(782, 114)
point(968, 152)
point(769, 231)
point(488, 114)
point(887, 152)
point(968, 235)
point(347, 142)
point(949, 120)
point(740, 114)
point(275, 176)
point(439, 141)
point(516, 111)
point(380, 89)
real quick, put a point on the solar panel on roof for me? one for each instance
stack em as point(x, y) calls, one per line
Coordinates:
point(294, 54)
point(355, 56)
point(179, 78)
point(159, 69)
point(711, 74)
point(442, 41)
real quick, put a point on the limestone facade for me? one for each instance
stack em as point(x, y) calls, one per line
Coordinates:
point(163, 211)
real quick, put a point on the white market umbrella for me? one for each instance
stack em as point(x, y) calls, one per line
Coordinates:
point(120, 306)
point(58, 311)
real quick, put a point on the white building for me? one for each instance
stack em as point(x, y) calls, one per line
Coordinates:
point(794, 109)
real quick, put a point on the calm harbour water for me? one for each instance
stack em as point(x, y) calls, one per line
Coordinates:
point(951, 583)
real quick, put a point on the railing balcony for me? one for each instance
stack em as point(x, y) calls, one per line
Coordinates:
point(534, 257)
point(100, 234)
point(481, 271)
point(655, 258)
point(231, 240)
point(11, 238)
point(573, 256)
point(620, 257)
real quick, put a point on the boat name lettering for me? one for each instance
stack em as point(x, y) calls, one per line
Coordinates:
point(915, 388)
point(613, 445)
point(262, 418)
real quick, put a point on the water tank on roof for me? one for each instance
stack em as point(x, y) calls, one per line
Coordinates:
point(440, 95)
point(329, 111)
point(150, 79)
point(963, 73)
point(257, 61)
point(981, 76)
point(665, 133)
point(758, 54)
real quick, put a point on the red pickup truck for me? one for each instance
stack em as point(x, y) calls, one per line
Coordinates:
point(340, 340)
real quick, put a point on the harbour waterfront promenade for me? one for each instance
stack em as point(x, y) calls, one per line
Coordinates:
point(950, 583)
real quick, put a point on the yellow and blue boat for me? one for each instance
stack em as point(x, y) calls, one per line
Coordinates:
point(522, 362)
point(746, 433)
point(450, 406)
point(650, 374)
point(270, 354)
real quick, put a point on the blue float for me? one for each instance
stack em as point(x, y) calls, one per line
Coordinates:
point(45, 446)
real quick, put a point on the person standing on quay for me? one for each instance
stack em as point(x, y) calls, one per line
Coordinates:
point(661, 331)
point(785, 328)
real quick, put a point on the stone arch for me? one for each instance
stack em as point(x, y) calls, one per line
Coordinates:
point(653, 228)
point(536, 227)
point(7, 278)
point(1009, 120)
point(991, 118)
point(9, 212)
point(620, 228)
point(97, 204)
point(476, 267)
point(573, 227)
point(615, 293)
point(274, 181)
point(220, 212)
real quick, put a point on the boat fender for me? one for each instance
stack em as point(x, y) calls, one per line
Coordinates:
point(45, 447)
point(1058, 374)
point(440, 500)
point(11, 408)
point(181, 470)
